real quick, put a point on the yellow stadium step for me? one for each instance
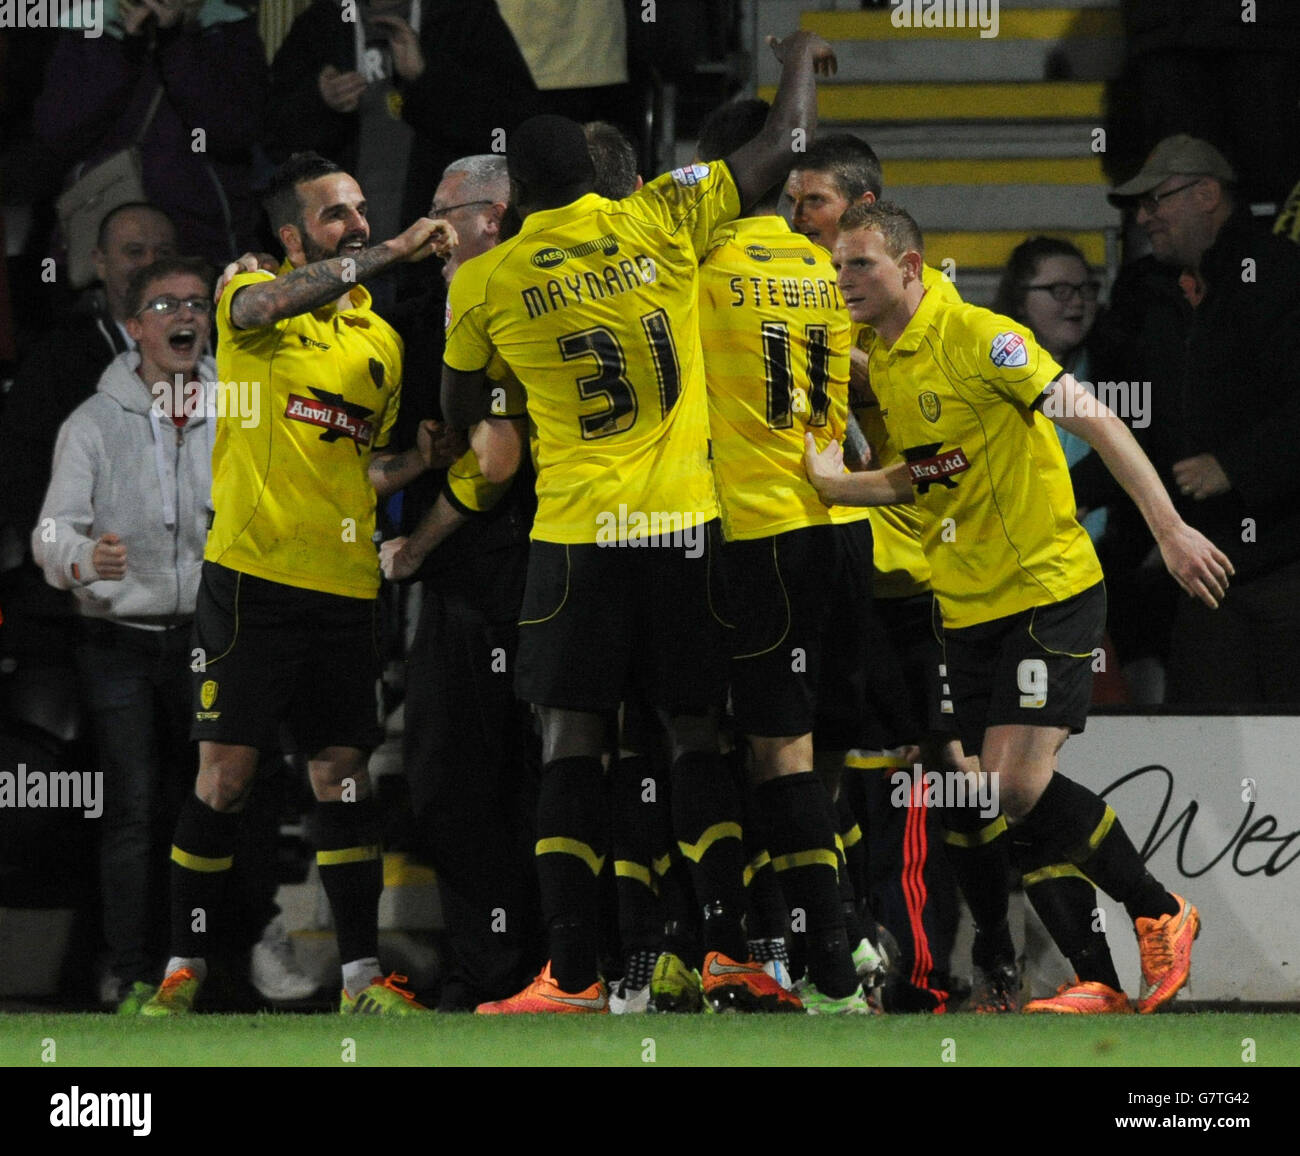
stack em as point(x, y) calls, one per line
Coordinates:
point(1086, 170)
point(990, 250)
point(869, 103)
point(1009, 24)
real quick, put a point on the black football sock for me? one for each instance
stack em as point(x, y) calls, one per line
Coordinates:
point(203, 852)
point(801, 838)
point(706, 825)
point(853, 865)
point(571, 824)
point(640, 828)
point(1095, 841)
point(1060, 893)
point(977, 850)
point(766, 913)
point(681, 912)
point(351, 866)
point(851, 852)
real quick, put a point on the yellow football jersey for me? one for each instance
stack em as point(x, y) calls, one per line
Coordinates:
point(957, 393)
point(593, 307)
point(900, 565)
point(292, 500)
point(776, 356)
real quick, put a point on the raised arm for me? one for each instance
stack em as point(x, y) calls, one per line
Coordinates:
point(765, 160)
point(265, 302)
point(1197, 565)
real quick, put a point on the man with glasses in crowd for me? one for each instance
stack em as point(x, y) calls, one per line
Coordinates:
point(1212, 319)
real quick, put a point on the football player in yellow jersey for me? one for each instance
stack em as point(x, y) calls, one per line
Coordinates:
point(964, 393)
point(285, 621)
point(911, 725)
point(776, 354)
point(592, 305)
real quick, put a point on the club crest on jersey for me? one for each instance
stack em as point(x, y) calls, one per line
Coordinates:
point(208, 694)
point(929, 403)
point(691, 175)
point(1009, 350)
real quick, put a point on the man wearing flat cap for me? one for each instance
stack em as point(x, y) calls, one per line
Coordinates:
point(1212, 320)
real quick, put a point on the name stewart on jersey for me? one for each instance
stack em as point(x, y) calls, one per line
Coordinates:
point(790, 292)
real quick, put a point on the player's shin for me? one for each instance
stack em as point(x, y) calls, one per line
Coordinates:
point(706, 825)
point(801, 840)
point(639, 836)
point(976, 846)
point(350, 862)
point(1061, 894)
point(201, 860)
point(572, 822)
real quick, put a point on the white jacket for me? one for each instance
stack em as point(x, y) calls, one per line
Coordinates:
point(120, 467)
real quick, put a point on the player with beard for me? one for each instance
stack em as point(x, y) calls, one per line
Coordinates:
point(285, 624)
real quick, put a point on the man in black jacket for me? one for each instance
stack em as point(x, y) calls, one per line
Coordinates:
point(1213, 318)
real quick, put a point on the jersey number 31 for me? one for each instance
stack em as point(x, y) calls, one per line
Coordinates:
point(610, 380)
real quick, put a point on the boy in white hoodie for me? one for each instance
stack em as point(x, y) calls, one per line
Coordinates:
point(123, 526)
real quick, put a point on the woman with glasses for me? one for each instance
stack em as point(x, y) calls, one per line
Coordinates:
point(1048, 286)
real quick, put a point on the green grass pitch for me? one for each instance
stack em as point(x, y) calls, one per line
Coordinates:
point(1202, 1039)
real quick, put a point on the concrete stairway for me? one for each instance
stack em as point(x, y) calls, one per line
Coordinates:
point(986, 140)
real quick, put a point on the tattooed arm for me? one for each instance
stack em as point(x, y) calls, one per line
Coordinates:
point(436, 447)
point(266, 302)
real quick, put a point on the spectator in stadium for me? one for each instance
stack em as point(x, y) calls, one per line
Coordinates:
point(207, 59)
point(290, 549)
point(123, 527)
point(905, 693)
point(1048, 286)
point(1211, 317)
point(658, 606)
point(467, 746)
point(60, 371)
point(1018, 583)
point(1222, 72)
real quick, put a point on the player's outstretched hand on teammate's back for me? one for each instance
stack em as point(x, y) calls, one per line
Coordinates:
point(1197, 564)
point(425, 238)
point(823, 55)
point(822, 466)
point(245, 263)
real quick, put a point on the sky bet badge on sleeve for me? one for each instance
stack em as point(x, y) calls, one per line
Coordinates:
point(1009, 350)
point(691, 175)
